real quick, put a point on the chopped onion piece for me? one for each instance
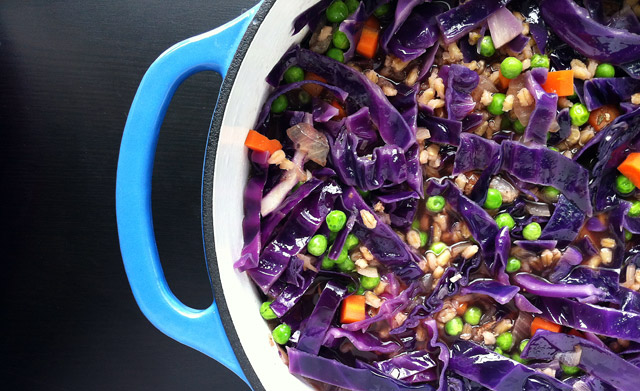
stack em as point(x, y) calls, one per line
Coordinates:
point(503, 27)
point(538, 209)
point(310, 141)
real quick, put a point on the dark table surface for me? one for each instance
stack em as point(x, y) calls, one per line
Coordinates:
point(68, 73)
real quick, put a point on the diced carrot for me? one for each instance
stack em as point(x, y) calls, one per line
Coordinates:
point(353, 309)
point(560, 83)
point(372, 23)
point(368, 43)
point(258, 142)
point(313, 89)
point(462, 308)
point(539, 323)
point(599, 118)
point(341, 112)
point(631, 168)
point(504, 82)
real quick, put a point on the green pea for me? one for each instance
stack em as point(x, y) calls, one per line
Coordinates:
point(454, 326)
point(351, 242)
point(327, 263)
point(416, 224)
point(472, 315)
point(280, 104)
point(495, 107)
point(435, 204)
point(347, 266)
point(513, 265)
point(624, 185)
point(532, 231)
point(340, 40)
point(579, 114)
point(424, 238)
point(332, 236)
point(304, 97)
point(317, 245)
point(511, 67)
point(487, 49)
point(506, 123)
point(570, 370)
point(294, 74)
point(494, 199)
point(344, 255)
point(336, 54)
point(540, 61)
point(364, 193)
point(382, 10)
point(351, 288)
point(337, 12)
point(498, 350)
point(505, 341)
point(554, 149)
point(266, 311)
point(627, 235)
point(281, 334)
point(360, 291)
point(634, 211)
point(518, 358)
point(519, 127)
point(523, 344)
point(505, 220)
point(551, 193)
point(336, 219)
point(352, 5)
point(605, 70)
point(438, 247)
point(369, 283)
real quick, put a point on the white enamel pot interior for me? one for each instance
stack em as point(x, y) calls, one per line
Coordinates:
point(248, 92)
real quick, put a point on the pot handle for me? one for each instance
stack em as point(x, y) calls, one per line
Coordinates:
point(199, 329)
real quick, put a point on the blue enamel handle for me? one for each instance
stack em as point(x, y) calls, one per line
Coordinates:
point(199, 329)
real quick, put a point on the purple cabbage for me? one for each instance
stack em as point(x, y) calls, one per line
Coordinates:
point(595, 360)
point(501, 293)
point(359, 123)
point(565, 222)
point(461, 82)
point(569, 259)
point(288, 59)
point(603, 91)
point(340, 375)
point(592, 39)
point(443, 355)
point(536, 246)
point(442, 130)
point(365, 342)
point(588, 317)
point(459, 21)
point(543, 166)
point(544, 113)
point(427, 62)
point(401, 207)
point(250, 254)
point(351, 28)
point(288, 295)
point(625, 19)
point(392, 126)
point(382, 241)
point(409, 37)
point(323, 111)
point(540, 287)
point(478, 153)
point(341, 237)
point(407, 366)
point(496, 371)
point(518, 44)
point(305, 220)
point(312, 335)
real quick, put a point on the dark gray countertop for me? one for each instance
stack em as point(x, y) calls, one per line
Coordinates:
point(68, 73)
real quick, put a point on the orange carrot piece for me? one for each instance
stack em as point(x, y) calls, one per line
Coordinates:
point(504, 82)
point(462, 308)
point(560, 83)
point(368, 43)
point(630, 168)
point(599, 118)
point(313, 89)
point(258, 142)
point(539, 323)
point(341, 112)
point(576, 333)
point(353, 309)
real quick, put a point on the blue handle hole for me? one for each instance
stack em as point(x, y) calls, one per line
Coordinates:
point(181, 145)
